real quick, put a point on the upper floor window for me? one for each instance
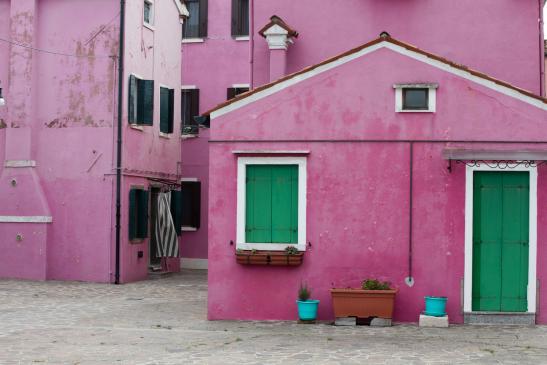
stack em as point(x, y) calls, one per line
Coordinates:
point(415, 98)
point(167, 106)
point(141, 101)
point(240, 18)
point(148, 13)
point(190, 109)
point(196, 24)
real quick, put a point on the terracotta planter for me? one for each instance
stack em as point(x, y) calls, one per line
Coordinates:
point(271, 258)
point(363, 303)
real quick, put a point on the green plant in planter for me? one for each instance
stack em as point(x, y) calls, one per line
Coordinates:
point(254, 251)
point(373, 284)
point(304, 292)
point(291, 250)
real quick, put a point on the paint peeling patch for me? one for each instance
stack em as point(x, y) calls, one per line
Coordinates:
point(88, 121)
point(3, 124)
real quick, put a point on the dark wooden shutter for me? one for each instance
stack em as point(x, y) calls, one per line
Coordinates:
point(235, 19)
point(203, 18)
point(132, 91)
point(171, 110)
point(148, 102)
point(191, 204)
point(142, 219)
point(194, 104)
point(164, 110)
point(231, 93)
point(196, 204)
point(176, 209)
point(140, 101)
point(132, 218)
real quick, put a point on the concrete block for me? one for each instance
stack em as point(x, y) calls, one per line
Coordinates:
point(431, 321)
point(345, 321)
point(380, 322)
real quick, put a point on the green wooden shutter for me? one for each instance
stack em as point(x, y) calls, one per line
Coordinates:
point(171, 110)
point(164, 110)
point(285, 204)
point(148, 102)
point(258, 203)
point(142, 218)
point(176, 209)
point(132, 217)
point(132, 91)
point(203, 15)
point(140, 101)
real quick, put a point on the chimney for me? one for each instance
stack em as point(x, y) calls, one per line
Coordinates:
point(279, 36)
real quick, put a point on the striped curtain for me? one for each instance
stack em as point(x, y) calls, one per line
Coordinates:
point(166, 235)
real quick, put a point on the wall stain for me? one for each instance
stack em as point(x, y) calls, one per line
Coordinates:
point(3, 124)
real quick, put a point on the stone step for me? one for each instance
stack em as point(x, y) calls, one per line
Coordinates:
point(500, 318)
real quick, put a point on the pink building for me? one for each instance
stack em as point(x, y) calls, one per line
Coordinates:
point(387, 159)
point(76, 189)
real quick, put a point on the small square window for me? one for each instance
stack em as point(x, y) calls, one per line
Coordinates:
point(415, 99)
point(148, 14)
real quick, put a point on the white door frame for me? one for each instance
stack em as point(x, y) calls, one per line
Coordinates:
point(532, 254)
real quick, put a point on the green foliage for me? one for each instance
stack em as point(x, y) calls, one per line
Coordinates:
point(291, 250)
point(304, 292)
point(373, 284)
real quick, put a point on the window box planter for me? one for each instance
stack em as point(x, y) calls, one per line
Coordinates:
point(271, 258)
point(363, 303)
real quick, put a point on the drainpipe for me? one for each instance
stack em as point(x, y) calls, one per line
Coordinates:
point(542, 53)
point(251, 43)
point(119, 140)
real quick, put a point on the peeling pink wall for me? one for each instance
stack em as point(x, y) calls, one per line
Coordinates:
point(212, 66)
point(475, 33)
point(358, 191)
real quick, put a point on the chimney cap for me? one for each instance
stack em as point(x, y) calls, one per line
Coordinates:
point(275, 20)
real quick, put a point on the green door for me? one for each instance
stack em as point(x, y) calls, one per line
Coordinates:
point(500, 241)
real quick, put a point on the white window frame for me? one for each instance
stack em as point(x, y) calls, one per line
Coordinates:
point(242, 163)
point(152, 14)
point(432, 97)
point(532, 247)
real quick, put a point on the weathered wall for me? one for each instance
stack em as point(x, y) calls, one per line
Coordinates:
point(475, 33)
point(150, 54)
point(358, 191)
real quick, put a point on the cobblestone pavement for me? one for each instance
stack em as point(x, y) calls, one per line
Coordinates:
point(164, 322)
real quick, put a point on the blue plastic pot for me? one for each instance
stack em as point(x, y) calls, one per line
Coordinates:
point(435, 306)
point(307, 311)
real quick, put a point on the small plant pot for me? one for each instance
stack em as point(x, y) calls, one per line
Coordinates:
point(435, 306)
point(307, 310)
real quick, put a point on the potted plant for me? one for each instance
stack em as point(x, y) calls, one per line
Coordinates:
point(373, 299)
point(289, 257)
point(307, 308)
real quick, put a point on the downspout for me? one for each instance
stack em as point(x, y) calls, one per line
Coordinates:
point(251, 42)
point(119, 140)
point(543, 80)
point(410, 279)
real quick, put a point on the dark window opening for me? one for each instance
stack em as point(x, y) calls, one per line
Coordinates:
point(167, 106)
point(147, 12)
point(196, 24)
point(190, 109)
point(191, 204)
point(235, 91)
point(138, 214)
point(416, 99)
point(141, 101)
point(240, 18)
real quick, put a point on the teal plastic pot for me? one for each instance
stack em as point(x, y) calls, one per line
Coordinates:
point(307, 310)
point(435, 306)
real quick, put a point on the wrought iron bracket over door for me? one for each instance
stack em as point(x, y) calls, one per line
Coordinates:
point(499, 164)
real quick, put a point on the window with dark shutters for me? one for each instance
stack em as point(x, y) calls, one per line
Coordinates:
point(167, 97)
point(240, 18)
point(191, 204)
point(235, 91)
point(138, 214)
point(141, 101)
point(189, 110)
point(196, 24)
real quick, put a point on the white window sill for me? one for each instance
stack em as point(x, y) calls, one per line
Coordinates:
point(193, 40)
point(165, 135)
point(415, 111)
point(149, 26)
point(269, 246)
point(188, 229)
point(242, 38)
point(189, 136)
point(137, 127)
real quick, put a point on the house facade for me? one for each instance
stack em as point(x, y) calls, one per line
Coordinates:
point(378, 154)
point(89, 134)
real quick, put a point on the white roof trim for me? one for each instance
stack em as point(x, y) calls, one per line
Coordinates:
point(396, 48)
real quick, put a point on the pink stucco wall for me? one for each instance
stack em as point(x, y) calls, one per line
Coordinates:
point(212, 66)
point(358, 185)
point(469, 32)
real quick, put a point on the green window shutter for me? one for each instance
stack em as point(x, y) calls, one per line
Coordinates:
point(139, 104)
point(203, 14)
point(164, 110)
point(148, 102)
point(176, 209)
point(258, 204)
point(171, 110)
point(132, 107)
point(285, 204)
point(142, 218)
point(132, 218)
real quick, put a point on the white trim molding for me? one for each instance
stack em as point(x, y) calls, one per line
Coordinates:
point(19, 163)
point(532, 255)
point(25, 219)
point(188, 87)
point(242, 163)
point(193, 264)
point(431, 99)
point(192, 40)
point(189, 179)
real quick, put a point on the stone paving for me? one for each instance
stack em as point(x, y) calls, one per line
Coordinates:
point(164, 322)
